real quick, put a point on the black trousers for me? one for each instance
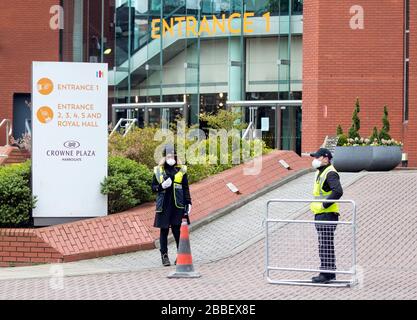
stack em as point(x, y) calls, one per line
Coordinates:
point(163, 239)
point(326, 240)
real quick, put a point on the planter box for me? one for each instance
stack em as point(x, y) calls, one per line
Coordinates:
point(385, 158)
point(372, 158)
point(352, 159)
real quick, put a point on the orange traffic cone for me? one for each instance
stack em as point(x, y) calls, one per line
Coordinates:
point(185, 268)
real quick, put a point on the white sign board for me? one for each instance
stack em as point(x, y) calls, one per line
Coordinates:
point(69, 139)
point(264, 124)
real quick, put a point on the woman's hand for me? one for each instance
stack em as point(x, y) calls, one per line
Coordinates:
point(167, 183)
point(188, 210)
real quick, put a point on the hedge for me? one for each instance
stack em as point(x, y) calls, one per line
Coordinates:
point(128, 184)
point(16, 201)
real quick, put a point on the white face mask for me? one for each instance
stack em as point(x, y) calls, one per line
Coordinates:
point(316, 163)
point(171, 162)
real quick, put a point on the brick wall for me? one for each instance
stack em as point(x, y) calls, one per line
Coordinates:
point(25, 36)
point(310, 75)
point(341, 64)
point(410, 128)
point(23, 247)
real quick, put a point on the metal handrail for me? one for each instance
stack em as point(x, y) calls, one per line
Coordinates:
point(247, 130)
point(9, 129)
point(28, 127)
point(116, 127)
point(128, 126)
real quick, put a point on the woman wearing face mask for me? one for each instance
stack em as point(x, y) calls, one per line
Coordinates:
point(173, 202)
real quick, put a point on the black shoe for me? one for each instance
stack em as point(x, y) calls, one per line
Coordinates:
point(324, 278)
point(165, 260)
point(331, 276)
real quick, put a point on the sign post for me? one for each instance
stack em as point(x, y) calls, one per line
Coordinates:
point(69, 140)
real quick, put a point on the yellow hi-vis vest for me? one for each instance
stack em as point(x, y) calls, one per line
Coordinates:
point(177, 184)
point(319, 193)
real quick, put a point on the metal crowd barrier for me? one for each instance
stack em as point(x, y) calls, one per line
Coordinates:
point(295, 249)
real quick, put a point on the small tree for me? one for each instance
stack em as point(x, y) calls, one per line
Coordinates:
point(342, 137)
point(356, 122)
point(339, 130)
point(384, 133)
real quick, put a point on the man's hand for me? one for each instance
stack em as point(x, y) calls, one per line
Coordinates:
point(167, 183)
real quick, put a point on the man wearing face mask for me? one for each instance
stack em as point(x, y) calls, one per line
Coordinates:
point(173, 201)
point(326, 186)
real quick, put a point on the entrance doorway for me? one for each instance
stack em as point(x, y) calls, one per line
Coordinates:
point(277, 121)
point(263, 118)
point(22, 114)
point(291, 121)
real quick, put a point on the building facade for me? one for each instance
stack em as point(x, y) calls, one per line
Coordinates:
point(223, 54)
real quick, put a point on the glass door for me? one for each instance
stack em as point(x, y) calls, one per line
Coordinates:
point(291, 129)
point(165, 118)
point(263, 120)
point(139, 114)
point(168, 116)
point(266, 122)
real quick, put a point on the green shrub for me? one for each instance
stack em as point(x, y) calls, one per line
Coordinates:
point(224, 119)
point(127, 185)
point(343, 139)
point(138, 145)
point(384, 133)
point(374, 138)
point(200, 171)
point(381, 138)
point(339, 130)
point(356, 122)
point(16, 201)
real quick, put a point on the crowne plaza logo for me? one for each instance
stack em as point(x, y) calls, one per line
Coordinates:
point(100, 74)
point(72, 144)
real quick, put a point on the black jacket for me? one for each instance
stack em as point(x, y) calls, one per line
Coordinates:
point(332, 183)
point(171, 215)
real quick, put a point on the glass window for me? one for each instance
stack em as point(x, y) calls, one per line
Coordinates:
point(205, 71)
